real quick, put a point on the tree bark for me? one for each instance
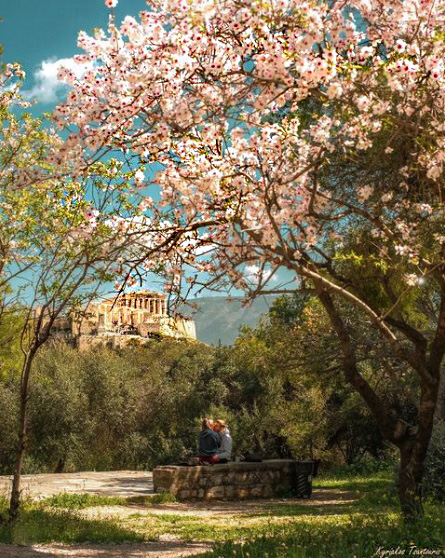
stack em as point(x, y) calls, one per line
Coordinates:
point(414, 448)
point(410, 483)
point(352, 375)
point(14, 504)
point(412, 442)
point(439, 414)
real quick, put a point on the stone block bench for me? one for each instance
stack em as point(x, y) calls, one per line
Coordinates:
point(233, 481)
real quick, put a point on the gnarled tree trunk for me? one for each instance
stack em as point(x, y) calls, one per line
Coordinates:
point(412, 442)
point(410, 483)
point(14, 504)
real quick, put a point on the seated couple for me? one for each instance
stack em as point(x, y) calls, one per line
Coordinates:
point(215, 442)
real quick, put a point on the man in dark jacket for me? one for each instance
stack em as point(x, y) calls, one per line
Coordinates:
point(209, 442)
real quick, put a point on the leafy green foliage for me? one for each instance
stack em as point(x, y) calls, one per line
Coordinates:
point(434, 482)
point(8, 425)
point(11, 323)
point(111, 410)
point(279, 388)
point(293, 366)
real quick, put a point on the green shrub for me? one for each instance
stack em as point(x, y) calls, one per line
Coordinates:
point(366, 467)
point(434, 481)
point(140, 407)
point(8, 425)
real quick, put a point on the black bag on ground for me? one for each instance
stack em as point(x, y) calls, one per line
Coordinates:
point(253, 458)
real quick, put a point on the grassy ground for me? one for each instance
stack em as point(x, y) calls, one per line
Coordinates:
point(369, 526)
point(358, 518)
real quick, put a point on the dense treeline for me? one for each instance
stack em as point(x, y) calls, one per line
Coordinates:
point(141, 406)
point(279, 387)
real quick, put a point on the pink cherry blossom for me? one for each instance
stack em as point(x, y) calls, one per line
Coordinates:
point(213, 95)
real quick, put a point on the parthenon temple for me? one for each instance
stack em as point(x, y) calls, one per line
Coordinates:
point(130, 310)
point(114, 321)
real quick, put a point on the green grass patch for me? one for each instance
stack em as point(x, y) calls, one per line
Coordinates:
point(37, 524)
point(57, 519)
point(190, 528)
point(82, 501)
point(352, 536)
point(362, 469)
point(155, 499)
point(364, 483)
point(373, 492)
point(353, 518)
point(357, 528)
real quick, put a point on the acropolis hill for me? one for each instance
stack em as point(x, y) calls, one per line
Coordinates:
point(115, 321)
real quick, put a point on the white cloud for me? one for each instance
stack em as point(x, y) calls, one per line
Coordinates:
point(255, 274)
point(47, 86)
point(251, 270)
point(205, 249)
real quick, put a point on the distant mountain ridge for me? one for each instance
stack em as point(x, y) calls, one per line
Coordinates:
point(218, 319)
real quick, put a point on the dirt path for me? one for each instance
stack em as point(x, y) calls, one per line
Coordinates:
point(323, 501)
point(138, 483)
point(148, 550)
point(114, 483)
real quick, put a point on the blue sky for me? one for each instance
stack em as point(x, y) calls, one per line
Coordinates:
point(41, 32)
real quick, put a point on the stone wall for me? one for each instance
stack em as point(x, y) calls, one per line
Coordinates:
point(232, 481)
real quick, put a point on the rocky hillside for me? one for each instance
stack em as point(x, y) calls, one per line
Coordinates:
point(218, 319)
